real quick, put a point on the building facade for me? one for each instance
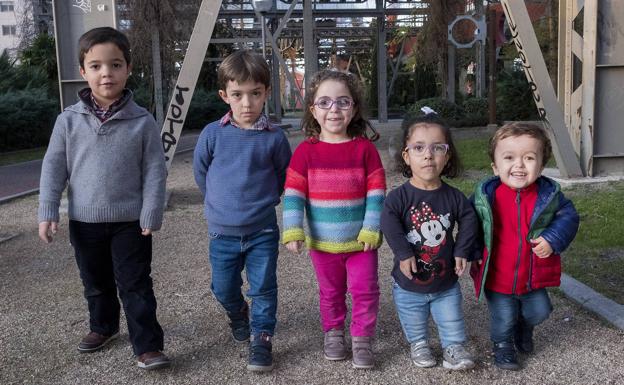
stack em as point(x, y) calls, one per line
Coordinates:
point(22, 20)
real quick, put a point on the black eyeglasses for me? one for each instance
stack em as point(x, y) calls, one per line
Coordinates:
point(326, 103)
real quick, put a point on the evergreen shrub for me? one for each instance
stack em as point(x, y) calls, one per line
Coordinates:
point(475, 112)
point(26, 118)
point(514, 99)
point(206, 106)
point(451, 112)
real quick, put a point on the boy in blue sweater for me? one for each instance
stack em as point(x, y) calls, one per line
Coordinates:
point(107, 151)
point(240, 166)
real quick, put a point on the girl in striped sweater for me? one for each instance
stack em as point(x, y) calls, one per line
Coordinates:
point(336, 177)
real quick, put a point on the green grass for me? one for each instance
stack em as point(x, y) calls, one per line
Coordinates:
point(596, 257)
point(476, 162)
point(474, 154)
point(465, 185)
point(7, 158)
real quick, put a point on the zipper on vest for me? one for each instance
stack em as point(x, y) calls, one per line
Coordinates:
point(513, 288)
point(530, 272)
point(531, 255)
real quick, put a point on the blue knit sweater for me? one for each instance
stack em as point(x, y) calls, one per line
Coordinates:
point(241, 174)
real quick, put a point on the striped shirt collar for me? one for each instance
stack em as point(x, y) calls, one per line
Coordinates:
point(261, 124)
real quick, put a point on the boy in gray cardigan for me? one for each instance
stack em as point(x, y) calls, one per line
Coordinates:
point(107, 150)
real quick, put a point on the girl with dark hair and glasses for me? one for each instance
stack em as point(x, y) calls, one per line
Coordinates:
point(417, 220)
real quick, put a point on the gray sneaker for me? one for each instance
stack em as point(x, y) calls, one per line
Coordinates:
point(421, 354)
point(334, 345)
point(362, 352)
point(456, 357)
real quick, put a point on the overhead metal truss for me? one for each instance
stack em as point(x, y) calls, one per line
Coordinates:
point(297, 33)
point(326, 28)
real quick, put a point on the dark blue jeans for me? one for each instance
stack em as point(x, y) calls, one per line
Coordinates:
point(507, 310)
point(257, 254)
point(111, 257)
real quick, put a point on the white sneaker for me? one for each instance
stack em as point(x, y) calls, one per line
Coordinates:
point(456, 357)
point(421, 354)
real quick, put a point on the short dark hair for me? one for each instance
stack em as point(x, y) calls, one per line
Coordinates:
point(453, 167)
point(242, 66)
point(518, 129)
point(102, 35)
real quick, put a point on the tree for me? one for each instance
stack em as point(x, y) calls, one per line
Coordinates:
point(41, 53)
point(28, 28)
point(170, 22)
point(432, 38)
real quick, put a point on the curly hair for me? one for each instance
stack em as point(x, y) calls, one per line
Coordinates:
point(359, 123)
point(453, 167)
point(518, 129)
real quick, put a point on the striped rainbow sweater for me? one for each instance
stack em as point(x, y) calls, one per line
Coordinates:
point(342, 188)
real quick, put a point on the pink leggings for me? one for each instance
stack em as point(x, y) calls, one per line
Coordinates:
point(355, 272)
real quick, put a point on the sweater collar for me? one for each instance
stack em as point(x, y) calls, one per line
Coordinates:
point(129, 110)
point(103, 113)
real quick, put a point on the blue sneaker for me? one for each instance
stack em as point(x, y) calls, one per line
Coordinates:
point(260, 356)
point(239, 323)
point(505, 356)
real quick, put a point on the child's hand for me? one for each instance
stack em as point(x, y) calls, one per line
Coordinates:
point(408, 267)
point(295, 246)
point(460, 265)
point(46, 230)
point(367, 246)
point(541, 247)
point(146, 232)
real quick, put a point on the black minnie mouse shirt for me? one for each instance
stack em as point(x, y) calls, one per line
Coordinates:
point(420, 223)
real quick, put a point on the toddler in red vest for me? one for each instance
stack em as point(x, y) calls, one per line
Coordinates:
point(527, 222)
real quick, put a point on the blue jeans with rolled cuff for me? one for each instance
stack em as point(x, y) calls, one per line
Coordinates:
point(445, 307)
point(255, 253)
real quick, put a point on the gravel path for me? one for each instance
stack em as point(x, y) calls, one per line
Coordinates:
point(43, 316)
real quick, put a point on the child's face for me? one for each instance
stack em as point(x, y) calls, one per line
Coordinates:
point(333, 121)
point(426, 155)
point(246, 100)
point(106, 71)
point(518, 161)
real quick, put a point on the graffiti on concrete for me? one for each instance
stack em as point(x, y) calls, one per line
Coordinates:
point(84, 5)
point(174, 118)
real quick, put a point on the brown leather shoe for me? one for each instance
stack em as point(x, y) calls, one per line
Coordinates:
point(153, 360)
point(93, 342)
